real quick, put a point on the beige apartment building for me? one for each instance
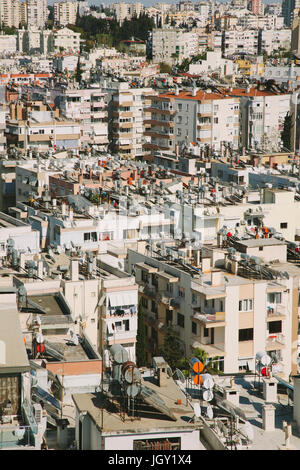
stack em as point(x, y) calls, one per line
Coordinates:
point(129, 113)
point(33, 13)
point(65, 13)
point(193, 116)
point(228, 311)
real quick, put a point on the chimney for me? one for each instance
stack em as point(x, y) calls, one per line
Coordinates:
point(74, 272)
point(205, 265)
point(216, 277)
point(63, 208)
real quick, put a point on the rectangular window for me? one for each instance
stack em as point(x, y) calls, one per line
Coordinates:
point(194, 328)
point(169, 317)
point(180, 320)
point(245, 305)
point(246, 334)
point(283, 225)
point(126, 325)
point(144, 302)
point(205, 332)
point(275, 326)
point(86, 237)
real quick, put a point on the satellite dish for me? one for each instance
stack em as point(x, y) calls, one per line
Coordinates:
point(38, 320)
point(197, 410)
point(263, 358)
point(209, 412)
point(39, 338)
point(180, 376)
point(208, 381)
point(208, 395)
point(19, 433)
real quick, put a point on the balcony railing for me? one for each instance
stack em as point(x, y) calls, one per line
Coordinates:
point(275, 310)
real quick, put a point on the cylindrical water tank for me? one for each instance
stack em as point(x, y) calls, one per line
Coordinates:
point(263, 358)
point(196, 365)
point(133, 390)
point(118, 353)
point(130, 372)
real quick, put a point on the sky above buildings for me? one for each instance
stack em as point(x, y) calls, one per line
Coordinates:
point(146, 2)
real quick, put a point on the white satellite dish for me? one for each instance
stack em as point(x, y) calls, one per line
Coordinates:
point(180, 376)
point(263, 358)
point(208, 395)
point(39, 338)
point(208, 381)
point(38, 320)
point(247, 431)
point(197, 410)
point(209, 412)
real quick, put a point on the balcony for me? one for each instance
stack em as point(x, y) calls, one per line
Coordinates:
point(213, 350)
point(209, 320)
point(276, 312)
point(275, 341)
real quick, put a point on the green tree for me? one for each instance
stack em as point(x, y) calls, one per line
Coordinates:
point(78, 74)
point(173, 349)
point(140, 348)
point(286, 132)
point(164, 68)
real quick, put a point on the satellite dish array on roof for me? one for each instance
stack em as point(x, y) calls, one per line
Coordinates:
point(203, 379)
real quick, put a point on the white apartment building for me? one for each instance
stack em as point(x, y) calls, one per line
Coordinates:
point(88, 107)
point(37, 13)
point(67, 40)
point(255, 41)
point(13, 13)
point(8, 44)
point(65, 12)
point(193, 116)
point(258, 21)
point(231, 317)
point(262, 116)
point(126, 11)
point(24, 237)
point(172, 45)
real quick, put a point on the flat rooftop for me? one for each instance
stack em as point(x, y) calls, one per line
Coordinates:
point(150, 421)
point(50, 303)
point(253, 242)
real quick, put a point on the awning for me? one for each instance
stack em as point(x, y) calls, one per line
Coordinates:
point(119, 299)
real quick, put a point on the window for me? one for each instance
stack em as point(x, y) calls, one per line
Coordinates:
point(144, 302)
point(194, 298)
point(86, 237)
point(181, 292)
point(283, 225)
point(126, 325)
point(144, 276)
point(245, 305)
point(275, 327)
point(180, 320)
point(274, 298)
point(194, 328)
point(205, 332)
point(153, 306)
point(94, 236)
point(246, 334)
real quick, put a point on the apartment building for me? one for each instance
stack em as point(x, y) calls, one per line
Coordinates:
point(226, 312)
point(172, 45)
point(193, 116)
point(37, 13)
point(255, 41)
point(88, 107)
point(65, 12)
point(262, 116)
point(66, 40)
point(126, 11)
point(8, 44)
point(127, 112)
point(13, 13)
point(288, 7)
